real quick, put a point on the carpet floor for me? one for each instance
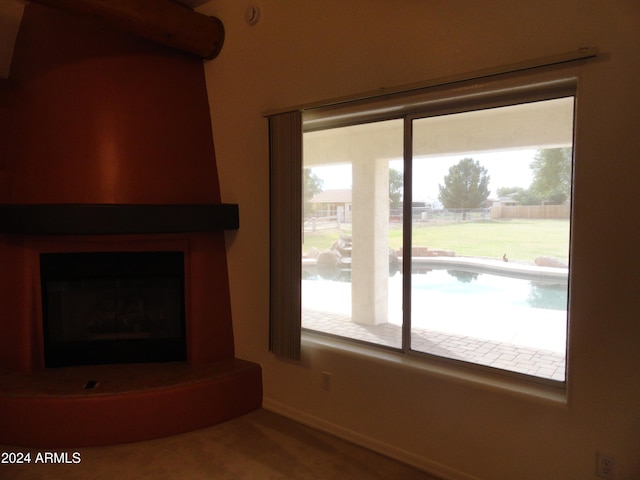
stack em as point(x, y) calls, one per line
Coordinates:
point(258, 446)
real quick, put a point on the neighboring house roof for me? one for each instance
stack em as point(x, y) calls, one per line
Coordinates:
point(507, 199)
point(333, 196)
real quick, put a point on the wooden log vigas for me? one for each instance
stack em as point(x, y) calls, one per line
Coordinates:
point(162, 21)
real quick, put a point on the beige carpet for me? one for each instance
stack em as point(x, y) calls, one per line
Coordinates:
point(257, 446)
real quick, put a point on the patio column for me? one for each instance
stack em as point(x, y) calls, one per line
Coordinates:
point(370, 256)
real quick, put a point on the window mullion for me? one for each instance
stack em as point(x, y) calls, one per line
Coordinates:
point(406, 234)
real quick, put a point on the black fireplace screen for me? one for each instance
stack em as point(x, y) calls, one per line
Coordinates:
point(113, 307)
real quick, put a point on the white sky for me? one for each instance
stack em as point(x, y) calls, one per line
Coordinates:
point(505, 169)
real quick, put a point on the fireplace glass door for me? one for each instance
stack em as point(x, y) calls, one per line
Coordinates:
point(115, 307)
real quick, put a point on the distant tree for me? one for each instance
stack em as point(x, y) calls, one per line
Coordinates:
point(523, 195)
point(312, 186)
point(552, 174)
point(396, 181)
point(466, 185)
point(528, 197)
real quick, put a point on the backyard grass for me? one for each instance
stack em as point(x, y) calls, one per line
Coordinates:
point(521, 240)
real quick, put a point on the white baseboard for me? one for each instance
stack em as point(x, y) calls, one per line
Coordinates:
point(421, 463)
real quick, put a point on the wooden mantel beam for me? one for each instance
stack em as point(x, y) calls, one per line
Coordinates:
point(162, 21)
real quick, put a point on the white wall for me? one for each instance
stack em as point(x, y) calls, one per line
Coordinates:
point(308, 50)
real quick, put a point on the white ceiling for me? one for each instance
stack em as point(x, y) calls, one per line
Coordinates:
point(10, 16)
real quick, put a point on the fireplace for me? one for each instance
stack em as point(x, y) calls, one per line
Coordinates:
point(88, 323)
point(111, 163)
point(112, 307)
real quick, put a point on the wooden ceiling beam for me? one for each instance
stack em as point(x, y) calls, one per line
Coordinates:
point(162, 21)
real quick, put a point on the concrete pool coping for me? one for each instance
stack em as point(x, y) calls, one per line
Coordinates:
point(478, 264)
point(514, 269)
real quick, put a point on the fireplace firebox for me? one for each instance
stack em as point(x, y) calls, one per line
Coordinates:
point(113, 308)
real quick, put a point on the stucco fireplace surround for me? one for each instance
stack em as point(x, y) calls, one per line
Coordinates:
point(110, 151)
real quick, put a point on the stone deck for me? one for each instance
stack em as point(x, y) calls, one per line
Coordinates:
point(531, 361)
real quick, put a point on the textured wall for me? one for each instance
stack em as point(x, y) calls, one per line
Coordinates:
point(307, 51)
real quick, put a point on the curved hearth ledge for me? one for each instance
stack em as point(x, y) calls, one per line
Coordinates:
point(130, 403)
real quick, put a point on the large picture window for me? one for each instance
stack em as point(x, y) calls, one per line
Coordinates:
point(442, 231)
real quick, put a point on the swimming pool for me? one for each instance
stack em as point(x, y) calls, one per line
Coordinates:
point(520, 306)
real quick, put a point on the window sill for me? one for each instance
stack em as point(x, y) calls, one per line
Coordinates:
point(473, 375)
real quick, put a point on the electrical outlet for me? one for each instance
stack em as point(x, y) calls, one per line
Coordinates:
point(604, 465)
point(326, 381)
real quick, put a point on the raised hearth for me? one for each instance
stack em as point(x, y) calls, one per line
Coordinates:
point(53, 408)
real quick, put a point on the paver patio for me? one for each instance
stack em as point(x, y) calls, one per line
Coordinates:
point(522, 359)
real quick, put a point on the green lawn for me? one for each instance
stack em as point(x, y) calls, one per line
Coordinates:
point(522, 240)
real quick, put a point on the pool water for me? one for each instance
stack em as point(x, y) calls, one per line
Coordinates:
point(488, 289)
point(479, 305)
